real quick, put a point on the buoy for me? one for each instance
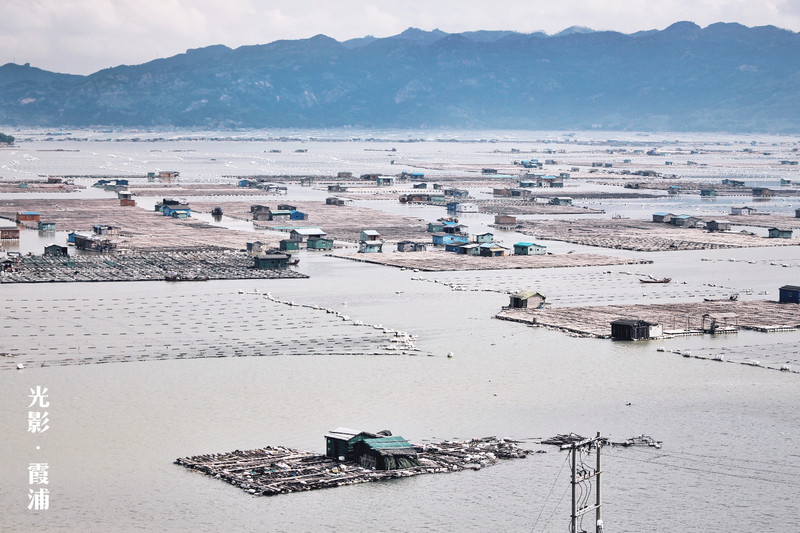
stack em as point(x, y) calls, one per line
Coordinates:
point(20, 366)
point(449, 355)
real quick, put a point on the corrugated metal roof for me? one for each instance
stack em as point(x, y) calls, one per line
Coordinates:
point(309, 231)
point(389, 443)
point(524, 295)
point(343, 433)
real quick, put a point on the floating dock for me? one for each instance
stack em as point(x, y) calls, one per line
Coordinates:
point(140, 266)
point(439, 260)
point(280, 470)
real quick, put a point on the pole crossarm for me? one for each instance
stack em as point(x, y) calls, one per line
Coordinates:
point(584, 474)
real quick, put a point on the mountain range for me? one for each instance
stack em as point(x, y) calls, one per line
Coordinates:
point(725, 77)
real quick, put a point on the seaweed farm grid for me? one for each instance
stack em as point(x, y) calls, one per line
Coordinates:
point(57, 332)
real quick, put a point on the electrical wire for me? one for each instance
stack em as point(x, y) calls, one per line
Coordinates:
point(695, 469)
point(551, 492)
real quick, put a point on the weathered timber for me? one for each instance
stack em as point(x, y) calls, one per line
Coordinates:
point(594, 321)
point(140, 266)
point(440, 260)
point(280, 470)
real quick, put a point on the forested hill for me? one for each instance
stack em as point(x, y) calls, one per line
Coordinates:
point(725, 77)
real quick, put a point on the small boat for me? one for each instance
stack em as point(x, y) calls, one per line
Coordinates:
point(655, 280)
point(292, 262)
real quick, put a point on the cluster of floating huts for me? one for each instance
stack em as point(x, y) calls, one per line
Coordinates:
point(689, 221)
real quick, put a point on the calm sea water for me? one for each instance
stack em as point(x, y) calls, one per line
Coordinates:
point(730, 432)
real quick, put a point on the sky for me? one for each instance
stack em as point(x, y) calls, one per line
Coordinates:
point(84, 36)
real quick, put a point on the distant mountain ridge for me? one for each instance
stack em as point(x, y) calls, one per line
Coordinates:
point(725, 77)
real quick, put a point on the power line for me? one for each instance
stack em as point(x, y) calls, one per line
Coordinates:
point(695, 469)
point(550, 493)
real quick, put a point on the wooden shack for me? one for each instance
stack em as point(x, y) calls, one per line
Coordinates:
point(27, 216)
point(385, 453)
point(56, 250)
point(319, 243)
point(9, 232)
point(631, 330)
point(273, 260)
point(289, 245)
point(561, 200)
point(370, 247)
point(410, 246)
point(527, 300)
point(370, 235)
point(91, 243)
point(505, 220)
point(340, 441)
point(302, 234)
point(789, 294)
point(778, 233)
point(256, 247)
point(685, 221)
point(46, 226)
point(104, 229)
point(529, 248)
point(484, 237)
point(718, 225)
point(492, 249)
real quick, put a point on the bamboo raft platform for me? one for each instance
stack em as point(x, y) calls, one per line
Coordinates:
point(641, 235)
point(340, 222)
point(440, 260)
point(140, 266)
point(140, 229)
point(595, 321)
point(280, 470)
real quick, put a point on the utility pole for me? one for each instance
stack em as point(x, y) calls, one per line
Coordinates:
point(578, 476)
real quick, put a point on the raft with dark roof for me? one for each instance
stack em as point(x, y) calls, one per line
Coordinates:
point(280, 470)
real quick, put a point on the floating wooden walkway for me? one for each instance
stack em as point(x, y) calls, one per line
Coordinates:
point(280, 470)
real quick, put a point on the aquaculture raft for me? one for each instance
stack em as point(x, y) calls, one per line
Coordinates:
point(280, 470)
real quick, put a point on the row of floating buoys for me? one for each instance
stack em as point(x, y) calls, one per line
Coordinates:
point(407, 339)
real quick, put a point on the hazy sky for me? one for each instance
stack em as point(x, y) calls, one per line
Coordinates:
point(83, 36)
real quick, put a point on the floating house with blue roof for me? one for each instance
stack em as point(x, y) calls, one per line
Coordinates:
point(529, 248)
